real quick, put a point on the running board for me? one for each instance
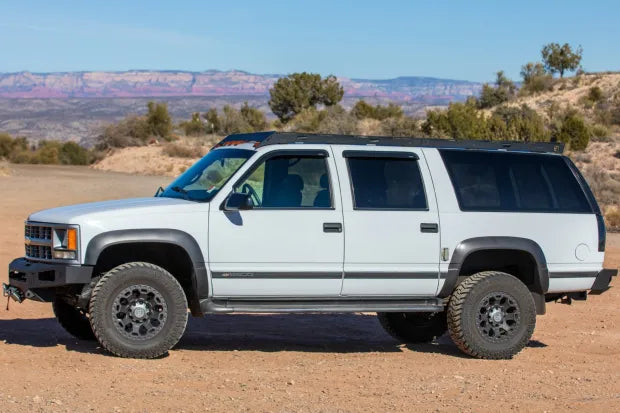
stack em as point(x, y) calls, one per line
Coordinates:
point(322, 306)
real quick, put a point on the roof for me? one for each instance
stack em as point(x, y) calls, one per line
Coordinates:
point(260, 139)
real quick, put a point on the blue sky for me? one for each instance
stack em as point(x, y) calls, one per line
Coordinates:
point(362, 39)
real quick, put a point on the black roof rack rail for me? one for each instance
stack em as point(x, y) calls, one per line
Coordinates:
point(278, 138)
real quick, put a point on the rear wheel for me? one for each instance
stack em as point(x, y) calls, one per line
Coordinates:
point(414, 327)
point(138, 310)
point(73, 320)
point(491, 315)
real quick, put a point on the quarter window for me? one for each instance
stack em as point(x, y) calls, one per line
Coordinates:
point(499, 181)
point(386, 183)
point(289, 181)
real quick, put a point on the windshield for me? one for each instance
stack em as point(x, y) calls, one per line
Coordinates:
point(206, 177)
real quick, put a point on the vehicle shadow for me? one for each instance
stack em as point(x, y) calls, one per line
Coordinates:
point(321, 333)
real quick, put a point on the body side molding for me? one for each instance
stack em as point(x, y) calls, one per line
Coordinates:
point(200, 281)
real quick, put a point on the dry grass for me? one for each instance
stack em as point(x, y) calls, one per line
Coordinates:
point(4, 169)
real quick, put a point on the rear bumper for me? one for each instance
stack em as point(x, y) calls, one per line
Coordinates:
point(31, 277)
point(602, 281)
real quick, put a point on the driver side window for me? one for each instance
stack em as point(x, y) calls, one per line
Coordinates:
point(289, 181)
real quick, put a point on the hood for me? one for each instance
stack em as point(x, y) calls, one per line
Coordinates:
point(72, 214)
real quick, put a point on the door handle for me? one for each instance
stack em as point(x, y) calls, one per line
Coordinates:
point(429, 227)
point(332, 227)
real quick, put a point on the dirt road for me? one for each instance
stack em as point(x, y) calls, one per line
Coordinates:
point(304, 363)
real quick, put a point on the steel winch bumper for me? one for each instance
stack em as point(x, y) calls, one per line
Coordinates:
point(37, 280)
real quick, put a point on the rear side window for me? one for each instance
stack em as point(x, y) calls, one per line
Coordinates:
point(499, 181)
point(386, 183)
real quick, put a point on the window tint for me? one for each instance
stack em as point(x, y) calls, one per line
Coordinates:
point(289, 181)
point(386, 183)
point(496, 181)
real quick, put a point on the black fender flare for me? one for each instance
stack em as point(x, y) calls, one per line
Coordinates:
point(470, 245)
point(200, 280)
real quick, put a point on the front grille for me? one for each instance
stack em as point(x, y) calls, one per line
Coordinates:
point(38, 232)
point(43, 252)
point(38, 241)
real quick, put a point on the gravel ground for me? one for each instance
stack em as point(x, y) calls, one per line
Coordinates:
point(285, 363)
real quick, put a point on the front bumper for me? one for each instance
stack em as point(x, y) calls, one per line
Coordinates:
point(34, 278)
point(602, 281)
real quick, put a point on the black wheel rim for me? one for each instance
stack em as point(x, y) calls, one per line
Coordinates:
point(139, 312)
point(498, 317)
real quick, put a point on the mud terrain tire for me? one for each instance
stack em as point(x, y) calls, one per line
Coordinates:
point(491, 315)
point(138, 310)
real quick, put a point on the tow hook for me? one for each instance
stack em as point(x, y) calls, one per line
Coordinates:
point(10, 291)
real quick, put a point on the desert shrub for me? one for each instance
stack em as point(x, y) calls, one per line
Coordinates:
point(336, 120)
point(9, 145)
point(213, 121)
point(459, 121)
point(595, 94)
point(254, 117)
point(612, 218)
point(232, 121)
point(604, 184)
point(522, 123)
point(54, 153)
point(599, 132)
point(363, 110)
point(130, 131)
point(503, 91)
point(195, 126)
point(158, 119)
point(177, 150)
point(403, 126)
point(535, 78)
point(574, 132)
point(308, 120)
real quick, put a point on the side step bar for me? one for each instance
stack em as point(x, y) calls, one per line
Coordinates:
point(321, 306)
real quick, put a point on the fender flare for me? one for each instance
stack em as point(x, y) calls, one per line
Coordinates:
point(468, 246)
point(200, 280)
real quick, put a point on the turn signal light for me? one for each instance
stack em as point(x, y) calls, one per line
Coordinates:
point(71, 239)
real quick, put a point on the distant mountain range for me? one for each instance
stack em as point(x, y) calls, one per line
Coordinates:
point(77, 105)
point(149, 83)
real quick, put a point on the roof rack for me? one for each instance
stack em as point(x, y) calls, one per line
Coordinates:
point(261, 139)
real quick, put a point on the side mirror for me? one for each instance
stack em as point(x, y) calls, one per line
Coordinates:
point(237, 201)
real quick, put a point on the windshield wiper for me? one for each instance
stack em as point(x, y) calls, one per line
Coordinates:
point(180, 191)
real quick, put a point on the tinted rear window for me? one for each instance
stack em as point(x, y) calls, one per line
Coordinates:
point(499, 181)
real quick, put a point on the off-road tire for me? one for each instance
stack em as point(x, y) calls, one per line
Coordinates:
point(414, 327)
point(102, 307)
point(466, 303)
point(73, 320)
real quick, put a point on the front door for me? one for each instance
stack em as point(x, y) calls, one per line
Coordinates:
point(291, 243)
point(391, 223)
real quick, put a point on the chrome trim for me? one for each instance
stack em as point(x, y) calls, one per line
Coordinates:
point(50, 242)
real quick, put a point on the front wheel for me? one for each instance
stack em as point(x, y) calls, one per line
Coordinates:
point(138, 310)
point(491, 315)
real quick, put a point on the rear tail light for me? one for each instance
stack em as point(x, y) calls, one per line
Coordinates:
point(602, 233)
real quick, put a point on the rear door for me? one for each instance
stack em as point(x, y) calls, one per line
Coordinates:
point(391, 222)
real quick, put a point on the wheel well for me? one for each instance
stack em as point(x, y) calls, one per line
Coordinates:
point(520, 264)
point(170, 257)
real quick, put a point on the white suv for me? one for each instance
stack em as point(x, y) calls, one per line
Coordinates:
point(433, 235)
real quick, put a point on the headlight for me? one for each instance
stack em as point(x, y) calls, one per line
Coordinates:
point(65, 244)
